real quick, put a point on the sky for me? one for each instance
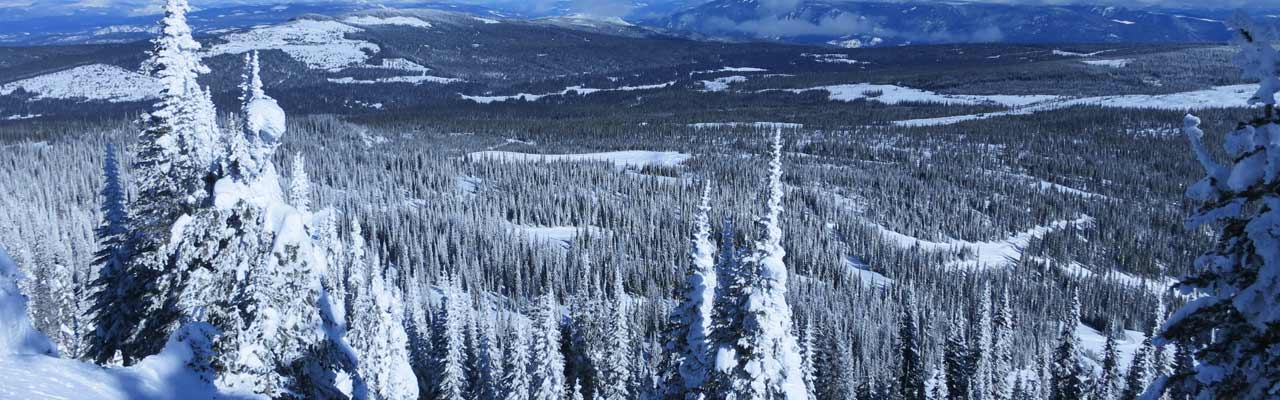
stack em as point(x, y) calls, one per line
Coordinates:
point(597, 7)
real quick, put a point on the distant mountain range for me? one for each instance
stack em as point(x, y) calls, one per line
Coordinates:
point(833, 23)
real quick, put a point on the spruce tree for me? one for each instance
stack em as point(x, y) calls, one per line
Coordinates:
point(299, 185)
point(546, 368)
point(1109, 381)
point(688, 347)
point(911, 379)
point(615, 368)
point(1069, 380)
point(1231, 326)
point(115, 315)
point(515, 377)
point(957, 361)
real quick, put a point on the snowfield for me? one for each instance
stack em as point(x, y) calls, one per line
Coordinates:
point(98, 82)
point(893, 94)
point(994, 254)
point(373, 21)
point(620, 159)
point(757, 125)
point(1234, 96)
point(583, 91)
point(319, 44)
point(1121, 63)
point(721, 84)
point(413, 79)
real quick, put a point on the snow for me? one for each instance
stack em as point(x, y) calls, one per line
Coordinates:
point(487, 21)
point(468, 184)
point(374, 21)
point(1119, 63)
point(869, 278)
point(415, 79)
point(1123, 22)
point(1233, 96)
point(1158, 287)
point(572, 89)
point(992, 254)
point(893, 94)
point(620, 159)
point(99, 82)
point(1094, 343)
point(17, 335)
point(757, 125)
point(265, 117)
point(20, 117)
point(400, 64)
point(729, 69)
point(1064, 53)
point(163, 376)
point(561, 236)
point(319, 44)
point(834, 58)
point(722, 84)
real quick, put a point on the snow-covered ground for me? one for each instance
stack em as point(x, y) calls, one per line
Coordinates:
point(412, 79)
point(868, 277)
point(100, 82)
point(1120, 63)
point(994, 254)
point(572, 89)
point(560, 236)
point(834, 58)
point(893, 94)
point(757, 125)
point(397, 20)
point(1157, 286)
point(1094, 343)
point(620, 159)
point(729, 69)
point(721, 84)
point(160, 377)
point(1234, 96)
point(319, 44)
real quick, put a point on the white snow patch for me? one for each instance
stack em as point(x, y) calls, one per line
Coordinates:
point(89, 82)
point(1064, 53)
point(1093, 344)
point(20, 117)
point(1234, 96)
point(834, 58)
point(757, 125)
point(487, 21)
point(319, 44)
point(1120, 63)
point(414, 79)
point(560, 236)
point(721, 84)
point(1123, 22)
point(993, 254)
point(375, 21)
point(892, 94)
point(620, 159)
point(572, 89)
point(868, 277)
point(729, 69)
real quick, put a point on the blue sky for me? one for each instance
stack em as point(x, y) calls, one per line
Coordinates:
point(614, 7)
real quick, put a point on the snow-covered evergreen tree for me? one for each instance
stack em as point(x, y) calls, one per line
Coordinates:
point(616, 367)
point(911, 373)
point(376, 332)
point(114, 313)
point(1002, 349)
point(688, 336)
point(983, 351)
point(516, 383)
point(957, 361)
point(452, 383)
point(546, 365)
point(173, 162)
point(1136, 379)
point(937, 385)
point(1108, 383)
point(299, 185)
point(768, 364)
point(18, 336)
point(1069, 379)
point(488, 363)
point(1236, 319)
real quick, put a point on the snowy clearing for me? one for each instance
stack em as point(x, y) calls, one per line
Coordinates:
point(1234, 96)
point(319, 44)
point(620, 159)
point(415, 79)
point(561, 236)
point(1064, 53)
point(893, 94)
point(721, 84)
point(20, 117)
point(757, 125)
point(1121, 63)
point(583, 91)
point(89, 82)
point(1158, 287)
point(374, 21)
point(729, 69)
point(869, 278)
point(992, 254)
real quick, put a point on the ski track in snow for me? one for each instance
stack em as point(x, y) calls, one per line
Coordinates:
point(620, 159)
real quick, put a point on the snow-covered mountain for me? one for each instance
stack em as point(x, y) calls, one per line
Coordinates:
point(868, 23)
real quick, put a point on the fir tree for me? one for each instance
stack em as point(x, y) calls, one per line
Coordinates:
point(1108, 383)
point(615, 368)
point(515, 377)
point(1236, 319)
point(451, 359)
point(911, 379)
point(957, 361)
point(299, 185)
point(114, 313)
point(688, 338)
point(546, 367)
point(1069, 381)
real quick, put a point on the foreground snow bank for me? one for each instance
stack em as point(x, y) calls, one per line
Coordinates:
point(17, 336)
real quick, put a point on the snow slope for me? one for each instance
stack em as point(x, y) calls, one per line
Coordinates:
point(893, 94)
point(397, 20)
point(17, 335)
point(572, 89)
point(1234, 96)
point(98, 82)
point(992, 254)
point(620, 159)
point(319, 44)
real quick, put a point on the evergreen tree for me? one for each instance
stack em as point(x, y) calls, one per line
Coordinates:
point(546, 368)
point(1136, 380)
point(983, 358)
point(1108, 383)
point(767, 354)
point(1069, 380)
point(451, 359)
point(957, 361)
point(1230, 327)
point(376, 333)
point(489, 360)
point(114, 313)
point(688, 336)
point(1002, 349)
point(911, 379)
point(515, 377)
point(938, 385)
point(615, 369)
point(299, 185)
point(173, 163)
